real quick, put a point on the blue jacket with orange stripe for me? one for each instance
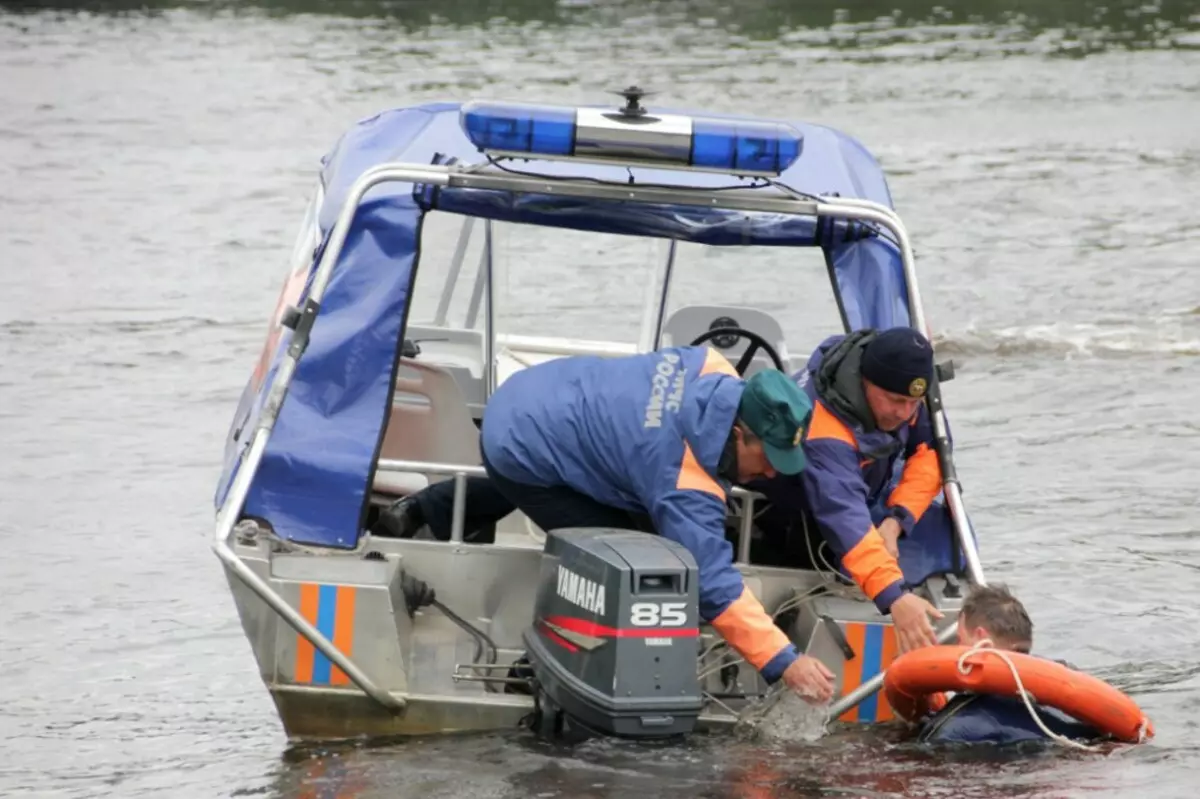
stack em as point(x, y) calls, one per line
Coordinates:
point(644, 433)
point(851, 462)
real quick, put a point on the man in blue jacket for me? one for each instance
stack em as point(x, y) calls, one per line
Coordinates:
point(588, 441)
point(868, 390)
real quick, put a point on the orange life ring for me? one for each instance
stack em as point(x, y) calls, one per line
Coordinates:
point(915, 681)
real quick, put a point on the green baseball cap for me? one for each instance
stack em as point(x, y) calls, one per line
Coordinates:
point(777, 410)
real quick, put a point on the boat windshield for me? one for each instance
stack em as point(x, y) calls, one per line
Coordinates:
point(785, 290)
point(557, 291)
point(547, 282)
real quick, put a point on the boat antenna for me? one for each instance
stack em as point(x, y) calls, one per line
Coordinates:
point(633, 94)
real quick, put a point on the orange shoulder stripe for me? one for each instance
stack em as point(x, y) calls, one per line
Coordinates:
point(715, 362)
point(825, 425)
point(692, 476)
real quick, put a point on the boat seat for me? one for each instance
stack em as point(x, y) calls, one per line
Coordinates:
point(429, 421)
point(688, 322)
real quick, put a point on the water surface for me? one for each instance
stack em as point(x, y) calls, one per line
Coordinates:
point(158, 157)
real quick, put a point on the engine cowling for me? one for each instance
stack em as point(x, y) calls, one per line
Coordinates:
point(615, 635)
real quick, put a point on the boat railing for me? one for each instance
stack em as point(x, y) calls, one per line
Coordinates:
point(460, 473)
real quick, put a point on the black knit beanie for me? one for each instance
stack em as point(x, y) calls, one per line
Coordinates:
point(899, 360)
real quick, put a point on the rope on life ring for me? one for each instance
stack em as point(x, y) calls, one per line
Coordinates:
point(915, 683)
point(986, 646)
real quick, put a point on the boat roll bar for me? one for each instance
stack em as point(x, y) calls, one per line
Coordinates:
point(478, 177)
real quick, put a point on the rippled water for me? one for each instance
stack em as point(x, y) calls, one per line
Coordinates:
point(156, 160)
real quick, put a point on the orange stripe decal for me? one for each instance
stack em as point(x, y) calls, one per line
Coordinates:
point(855, 633)
point(874, 646)
point(305, 653)
point(884, 712)
point(329, 608)
point(343, 631)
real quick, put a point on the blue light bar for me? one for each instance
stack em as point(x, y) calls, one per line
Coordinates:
point(541, 129)
point(736, 146)
point(744, 147)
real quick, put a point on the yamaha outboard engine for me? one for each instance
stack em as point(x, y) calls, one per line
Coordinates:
point(615, 634)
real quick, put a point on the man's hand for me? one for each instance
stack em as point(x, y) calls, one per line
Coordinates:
point(910, 616)
point(809, 678)
point(891, 530)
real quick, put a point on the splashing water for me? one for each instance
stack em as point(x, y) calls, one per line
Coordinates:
point(785, 718)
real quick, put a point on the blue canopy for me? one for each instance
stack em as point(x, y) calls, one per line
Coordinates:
point(313, 484)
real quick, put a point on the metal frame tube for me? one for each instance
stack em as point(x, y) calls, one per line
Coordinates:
point(652, 300)
point(459, 510)
point(489, 342)
point(460, 254)
point(745, 528)
point(476, 297)
point(726, 199)
point(663, 299)
point(429, 467)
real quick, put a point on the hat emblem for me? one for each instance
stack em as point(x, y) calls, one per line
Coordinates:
point(799, 435)
point(917, 387)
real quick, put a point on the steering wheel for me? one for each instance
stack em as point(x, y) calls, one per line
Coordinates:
point(757, 342)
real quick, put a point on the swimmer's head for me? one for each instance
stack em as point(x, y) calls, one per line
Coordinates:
point(992, 612)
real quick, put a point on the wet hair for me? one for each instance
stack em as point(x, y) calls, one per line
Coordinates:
point(995, 609)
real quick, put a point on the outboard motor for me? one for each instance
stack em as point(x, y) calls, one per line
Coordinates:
point(615, 635)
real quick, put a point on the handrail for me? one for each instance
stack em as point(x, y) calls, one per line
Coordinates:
point(460, 472)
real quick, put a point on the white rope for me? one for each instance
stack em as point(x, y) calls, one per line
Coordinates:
point(831, 577)
point(986, 646)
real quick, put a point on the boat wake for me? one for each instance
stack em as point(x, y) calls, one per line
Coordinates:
point(1176, 333)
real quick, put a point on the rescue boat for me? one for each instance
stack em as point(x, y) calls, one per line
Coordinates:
point(387, 340)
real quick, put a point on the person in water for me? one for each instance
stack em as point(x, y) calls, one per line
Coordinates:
point(654, 442)
point(869, 417)
point(990, 613)
point(992, 617)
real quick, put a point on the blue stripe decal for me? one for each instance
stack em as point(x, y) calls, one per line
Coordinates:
point(326, 613)
point(872, 662)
